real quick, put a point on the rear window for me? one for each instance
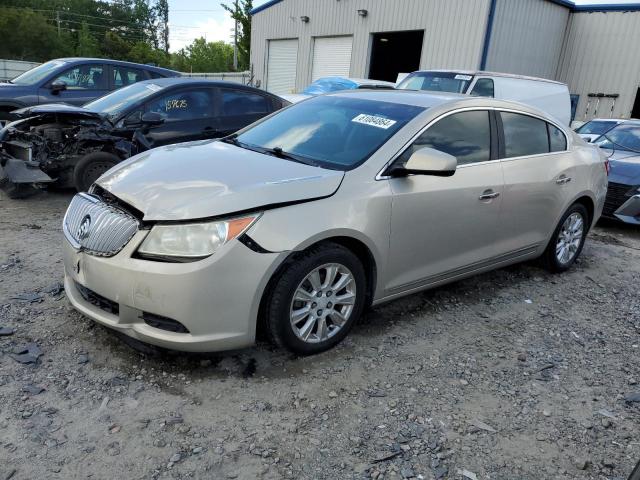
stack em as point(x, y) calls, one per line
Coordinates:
point(596, 127)
point(332, 131)
point(524, 135)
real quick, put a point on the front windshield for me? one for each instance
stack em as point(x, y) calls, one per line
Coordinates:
point(118, 102)
point(624, 137)
point(331, 131)
point(37, 74)
point(329, 84)
point(436, 82)
point(596, 127)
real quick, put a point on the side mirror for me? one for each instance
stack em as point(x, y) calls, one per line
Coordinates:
point(152, 118)
point(428, 161)
point(133, 119)
point(58, 86)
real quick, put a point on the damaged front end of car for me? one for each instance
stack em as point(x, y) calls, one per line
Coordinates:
point(46, 144)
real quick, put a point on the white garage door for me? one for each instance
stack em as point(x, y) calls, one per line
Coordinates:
point(281, 66)
point(331, 57)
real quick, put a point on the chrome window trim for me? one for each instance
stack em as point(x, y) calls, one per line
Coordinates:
point(379, 175)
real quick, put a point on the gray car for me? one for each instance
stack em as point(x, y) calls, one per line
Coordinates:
point(302, 220)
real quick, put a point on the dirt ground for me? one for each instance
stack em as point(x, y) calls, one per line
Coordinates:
point(516, 374)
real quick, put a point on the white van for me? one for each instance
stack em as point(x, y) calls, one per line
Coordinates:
point(547, 95)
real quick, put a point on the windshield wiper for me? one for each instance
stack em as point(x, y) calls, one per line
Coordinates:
point(280, 153)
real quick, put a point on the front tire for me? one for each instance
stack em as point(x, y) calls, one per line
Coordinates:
point(567, 240)
point(316, 300)
point(91, 167)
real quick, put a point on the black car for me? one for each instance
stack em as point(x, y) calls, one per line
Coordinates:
point(73, 146)
point(75, 81)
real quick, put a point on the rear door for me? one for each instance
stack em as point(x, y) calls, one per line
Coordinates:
point(445, 226)
point(188, 113)
point(122, 76)
point(84, 82)
point(238, 108)
point(538, 172)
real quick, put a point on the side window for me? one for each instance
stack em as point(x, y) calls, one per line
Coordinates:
point(465, 135)
point(240, 102)
point(524, 135)
point(84, 77)
point(483, 88)
point(557, 140)
point(183, 105)
point(123, 76)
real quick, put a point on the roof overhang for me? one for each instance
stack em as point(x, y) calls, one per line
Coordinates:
point(596, 7)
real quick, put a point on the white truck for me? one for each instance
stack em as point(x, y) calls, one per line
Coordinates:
point(547, 95)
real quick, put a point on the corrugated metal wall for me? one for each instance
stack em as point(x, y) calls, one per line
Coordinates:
point(453, 30)
point(601, 55)
point(527, 37)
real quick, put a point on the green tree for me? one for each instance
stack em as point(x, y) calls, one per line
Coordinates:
point(87, 44)
point(115, 47)
point(142, 52)
point(240, 11)
point(203, 56)
point(26, 35)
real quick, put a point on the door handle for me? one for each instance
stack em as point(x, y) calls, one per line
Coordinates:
point(489, 195)
point(563, 179)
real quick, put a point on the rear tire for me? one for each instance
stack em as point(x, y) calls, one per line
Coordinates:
point(91, 167)
point(567, 240)
point(329, 282)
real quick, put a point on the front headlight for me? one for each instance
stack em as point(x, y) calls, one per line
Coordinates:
point(191, 241)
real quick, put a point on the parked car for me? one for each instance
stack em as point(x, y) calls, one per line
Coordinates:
point(75, 81)
point(547, 95)
point(622, 146)
point(73, 146)
point(593, 129)
point(306, 217)
point(335, 84)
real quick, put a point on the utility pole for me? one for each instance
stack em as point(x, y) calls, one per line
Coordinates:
point(58, 21)
point(235, 37)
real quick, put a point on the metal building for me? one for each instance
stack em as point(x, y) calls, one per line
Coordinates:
point(591, 48)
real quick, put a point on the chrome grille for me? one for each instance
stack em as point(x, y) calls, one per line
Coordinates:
point(96, 227)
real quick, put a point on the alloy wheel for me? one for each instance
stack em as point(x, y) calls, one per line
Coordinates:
point(323, 303)
point(569, 238)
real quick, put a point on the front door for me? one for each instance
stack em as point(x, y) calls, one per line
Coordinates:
point(446, 226)
point(189, 114)
point(83, 83)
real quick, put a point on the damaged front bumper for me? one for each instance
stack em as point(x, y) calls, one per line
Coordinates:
point(16, 171)
point(629, 212)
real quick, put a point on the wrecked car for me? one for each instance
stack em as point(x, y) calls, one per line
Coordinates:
point(69, 146)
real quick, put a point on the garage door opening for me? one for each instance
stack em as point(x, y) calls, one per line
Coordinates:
point(395, 52)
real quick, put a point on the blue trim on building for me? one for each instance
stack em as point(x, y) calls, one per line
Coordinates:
point(264, 6)
point(487, 35)
point(600, 7)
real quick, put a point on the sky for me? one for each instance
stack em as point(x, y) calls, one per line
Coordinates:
point(191, 19)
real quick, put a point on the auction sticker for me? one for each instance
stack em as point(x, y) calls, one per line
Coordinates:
point(374, 121)
point(463, 77)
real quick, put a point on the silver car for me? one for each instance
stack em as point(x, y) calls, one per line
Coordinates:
point(299, 222)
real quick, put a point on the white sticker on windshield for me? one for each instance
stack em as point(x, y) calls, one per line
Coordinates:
point(153, 87)
point(374, 121)
point(463, 77)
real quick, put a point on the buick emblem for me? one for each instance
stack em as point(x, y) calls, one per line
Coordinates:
point(85, 227)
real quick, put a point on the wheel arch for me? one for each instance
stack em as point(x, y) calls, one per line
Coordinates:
point(357, 246)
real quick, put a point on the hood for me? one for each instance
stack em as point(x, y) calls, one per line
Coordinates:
point(624, 167)
point(56, 108)
point(210, 178)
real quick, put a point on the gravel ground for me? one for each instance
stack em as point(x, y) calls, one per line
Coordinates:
point(516, 374)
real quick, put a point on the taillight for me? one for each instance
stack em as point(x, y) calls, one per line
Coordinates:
point(607, 167)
